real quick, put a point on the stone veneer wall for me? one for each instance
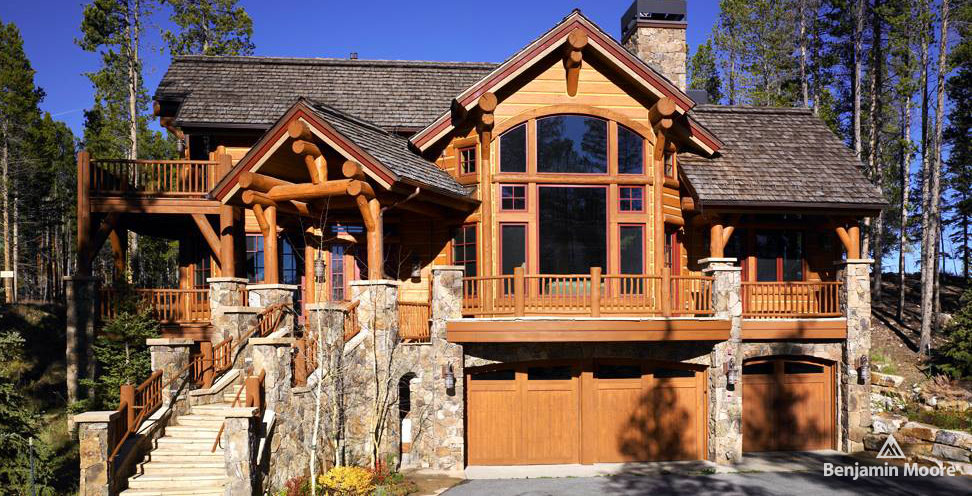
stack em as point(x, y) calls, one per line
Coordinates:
point(725, 400)
point(855, 405)
point(663, 48)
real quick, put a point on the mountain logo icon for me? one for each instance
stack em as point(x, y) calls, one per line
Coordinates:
point(891, 449)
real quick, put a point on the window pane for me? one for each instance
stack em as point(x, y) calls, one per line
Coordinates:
point(555, 373)
point(610, 371)
point(792, 242)
point(767, 249)
point(513, 150)
point(670, 373)
point(494, 375)
point(630, 152)
point(572, 144)
point(630, 198)
point(632, 249)
point(801, 368)
point(573, 229)
point(764, 368)
point(337, 272)
point(513, 237)
point(513, 197)
point(464, 249)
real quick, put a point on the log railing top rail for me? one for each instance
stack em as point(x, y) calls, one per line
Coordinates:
point(593, 294)
point(167, 305)
point(189, 178)
point(791, 299)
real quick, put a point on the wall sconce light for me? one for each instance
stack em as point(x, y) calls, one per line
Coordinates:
point(864, 370)
point(449, 376)
point(731, 375)
point(416, 268)
point(320, 267)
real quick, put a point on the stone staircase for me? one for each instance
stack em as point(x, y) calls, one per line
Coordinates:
point(182, 463)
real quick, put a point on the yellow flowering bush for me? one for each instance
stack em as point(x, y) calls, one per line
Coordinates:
point(347, 481)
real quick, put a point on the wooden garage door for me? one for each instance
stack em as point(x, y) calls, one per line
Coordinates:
point(788, 405)
point(584, 412)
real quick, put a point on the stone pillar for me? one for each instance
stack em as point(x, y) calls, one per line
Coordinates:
point(855, 414)
point(274, 356)
point(377, 315)
point(448, 428)
point(725, 400)
point(239, 444)
point(264, 295)
point(170, 355)
point(93, 436)
point(82, 309)
point(225, 293)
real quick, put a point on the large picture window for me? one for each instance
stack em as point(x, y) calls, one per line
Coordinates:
point(631, 158)
point(779, 255)
point(573, 144)
point(513, 150)
point(573, 229)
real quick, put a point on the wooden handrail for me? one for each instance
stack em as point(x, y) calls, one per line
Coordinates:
point(254, 398)
point(166, 305)
point(413, 320)
point(594, 294)
point(153, 177)
point(791, 299)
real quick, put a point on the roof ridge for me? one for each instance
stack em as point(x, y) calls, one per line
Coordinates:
point(262, 59)
point(752, 109)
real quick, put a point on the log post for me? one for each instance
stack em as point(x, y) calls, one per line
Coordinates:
point(519, 292)
point(271, 272)
point(666, 291)
point(595, 291)
point(119, 249)
point(573, 57)
point(310, 254)
point(227, 257)
point(83, 213)
point(206, 348)
point(716, 235)
point(487, 104)
point(375, 238)
point(126, 396)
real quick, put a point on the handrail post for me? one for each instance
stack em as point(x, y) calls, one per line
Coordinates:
point(595, 291)
point(126, 396)
point(206, 348)
point(519, 292)
point(300, 363)
point(666, 291)
point(253, 392)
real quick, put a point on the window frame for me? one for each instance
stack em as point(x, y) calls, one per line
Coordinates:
point(668, 159)
point(475, 244)
point(617, 149)
point(259, 270)
point(461, 162)
point(526, 243)
point(630, 201)
point(526, 149)
point(779, 258)
point(644, 251)
point(608, 148)
point(513, 198)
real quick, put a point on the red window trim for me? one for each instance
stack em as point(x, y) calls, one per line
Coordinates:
point(617, 139)
point(644, 244)
point(665, 156)
point(526, 242)
point(629, 200)
point(475, 245)
point(459, 161)
point(525, 196)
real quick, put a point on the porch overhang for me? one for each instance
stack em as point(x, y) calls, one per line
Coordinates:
point(585, 330)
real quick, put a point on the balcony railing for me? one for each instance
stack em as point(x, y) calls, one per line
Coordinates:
point(775, 300)
point(590, 294)
point(413, 321)
point(189, 178)
point(168, 306)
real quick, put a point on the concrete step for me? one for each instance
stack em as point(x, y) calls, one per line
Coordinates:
point(180, 469)
point(181, 454)
point(201, 421)
point(188, 442)
point(185, 481)
point(173, 492)
point(183, 431)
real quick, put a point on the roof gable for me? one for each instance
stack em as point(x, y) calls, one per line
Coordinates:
point(606, 47)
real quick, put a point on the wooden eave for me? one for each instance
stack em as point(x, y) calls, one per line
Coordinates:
point(585, 330)
point(600, 42)
point(756, 206)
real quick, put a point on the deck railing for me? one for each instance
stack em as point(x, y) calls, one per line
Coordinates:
point(413, 321)
point(168, 306)
point(592, 294)
point(775, 300)
point(153, 177)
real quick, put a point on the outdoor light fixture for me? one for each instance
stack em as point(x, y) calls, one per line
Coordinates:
point(449, 376)
point(416, 268)
point(731, 375)
point(319, 269)
point(863, 369)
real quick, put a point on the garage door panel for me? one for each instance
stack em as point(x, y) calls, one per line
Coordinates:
point(803, 420)
point(550, 426)
point(622, 422)
point(495, 417)
point(674, 436)
point(759, 433)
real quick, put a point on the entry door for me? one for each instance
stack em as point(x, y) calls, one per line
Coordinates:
point(788, 405)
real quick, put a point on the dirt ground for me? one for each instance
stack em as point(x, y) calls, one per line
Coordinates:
point(894, 343)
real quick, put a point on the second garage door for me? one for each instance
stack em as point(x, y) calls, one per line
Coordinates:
point(584, 412)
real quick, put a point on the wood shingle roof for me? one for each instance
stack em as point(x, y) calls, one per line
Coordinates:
point(776, 156)
point(255, 91)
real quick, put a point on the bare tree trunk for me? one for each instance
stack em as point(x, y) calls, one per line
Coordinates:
point(803, 53)
point(874, 160)
point(5, 193)
point(16, 246)
point(134, 65)
point(856, 83)
point(931, 230)
point(905, 188)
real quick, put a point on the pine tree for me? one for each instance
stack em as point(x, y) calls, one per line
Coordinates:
point(730, 43)
point(958, 134)
point(704, 72)
point(209, 27)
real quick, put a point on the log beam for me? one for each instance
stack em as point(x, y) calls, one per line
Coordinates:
point(307, 191)
point(313, 159)
point(261, 219)
point(352, 170)
point(206, 229)
point(260, 182)
point(119, 250)
point(487, 104)
point(573, 58)
point(107, 225)
point(298, 130)
point(664, 108)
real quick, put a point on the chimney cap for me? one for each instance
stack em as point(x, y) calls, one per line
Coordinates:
point(653, 10)
point(700, 97)
point(353, 56)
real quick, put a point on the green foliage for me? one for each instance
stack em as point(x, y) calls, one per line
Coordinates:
point(955, 356)
point(121, 354)
point(209, 27)
point(704, 72)
point(943, 419)
point(958, 134)
point(19, 424)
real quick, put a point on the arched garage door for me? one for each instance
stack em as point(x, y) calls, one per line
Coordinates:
point(584, 412)
point(788, 404)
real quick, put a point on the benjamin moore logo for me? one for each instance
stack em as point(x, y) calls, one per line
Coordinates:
point(891, 449)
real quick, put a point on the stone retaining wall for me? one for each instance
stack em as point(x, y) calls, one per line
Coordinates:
point(922, 442)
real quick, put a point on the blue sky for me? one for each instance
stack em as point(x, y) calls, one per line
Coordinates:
point(422, 30)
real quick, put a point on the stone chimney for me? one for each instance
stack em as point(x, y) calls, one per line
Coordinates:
point(654, 30)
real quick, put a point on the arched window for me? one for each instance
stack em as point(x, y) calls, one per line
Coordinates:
point(573, 144)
